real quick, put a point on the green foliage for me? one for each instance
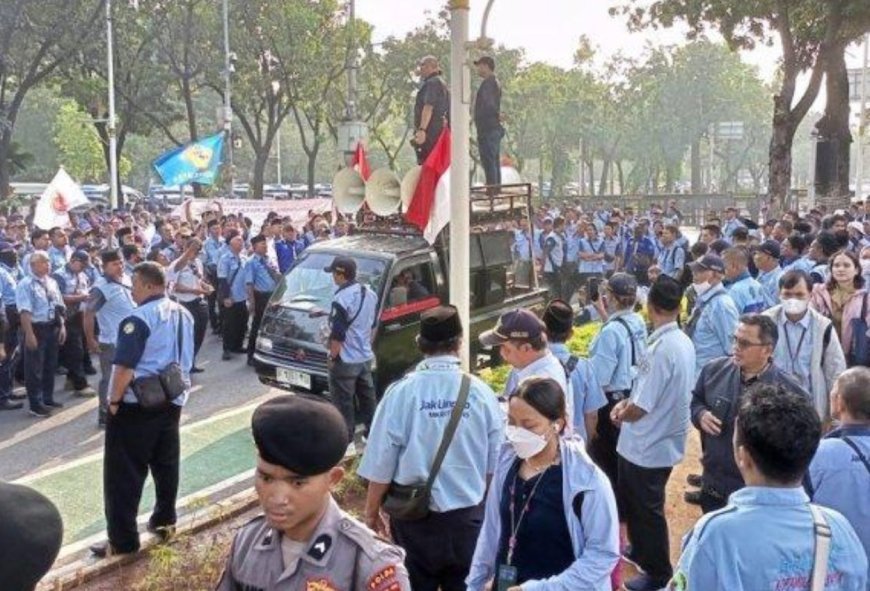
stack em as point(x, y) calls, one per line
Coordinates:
point(79, 146)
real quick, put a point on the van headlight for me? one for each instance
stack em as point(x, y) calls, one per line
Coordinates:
point(264, 344)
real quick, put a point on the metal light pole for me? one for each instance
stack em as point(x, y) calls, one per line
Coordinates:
point(228, 105)
point(113, 139)
point(278, 148)
point(862, 121)
point(460, 212)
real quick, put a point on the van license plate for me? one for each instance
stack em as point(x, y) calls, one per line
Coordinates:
point(293, 378)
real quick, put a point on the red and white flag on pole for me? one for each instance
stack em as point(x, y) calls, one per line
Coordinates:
point(361, 162)
point(60, 196)
point(430, 207)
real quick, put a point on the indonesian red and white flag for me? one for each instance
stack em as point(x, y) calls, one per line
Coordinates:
point(361, 162)
point(60, 196)
point(430, 207)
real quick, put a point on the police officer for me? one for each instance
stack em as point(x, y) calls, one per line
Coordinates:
point(233, 296)
point(431, 108)
point(769, 536)
point(841, 466)
point(353, 315)
point(110, 302)
point(211, 255)
point(157, 333)
point(304, 540)
point(9, 275)
point(41, 311)
point(261, 279)
point(405, 436)
point(74, 286)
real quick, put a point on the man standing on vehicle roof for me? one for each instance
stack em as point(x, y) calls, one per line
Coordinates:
point(351, 320)
point(431, 108)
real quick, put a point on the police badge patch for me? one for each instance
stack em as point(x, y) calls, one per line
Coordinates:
point(129, 328)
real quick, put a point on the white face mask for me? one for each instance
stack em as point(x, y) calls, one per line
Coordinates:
point(794, 306)
point(526, 443)
point(702, 288)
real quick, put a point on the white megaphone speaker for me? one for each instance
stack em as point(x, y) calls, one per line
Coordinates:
point(383, 192)
point(348, 190)
point(409, 185)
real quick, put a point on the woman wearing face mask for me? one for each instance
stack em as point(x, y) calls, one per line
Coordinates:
point(843, 299)
point(551, 520)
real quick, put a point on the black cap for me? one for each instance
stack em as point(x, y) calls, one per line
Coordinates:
point(440, 324)
point(709, 262)
point(344, 265)
point(303, 434)
point(622, 284)
point(770, 247)
point(81, 256)
point(517, 325)
point(486, 60)
point(558, 316)
point(31, 531)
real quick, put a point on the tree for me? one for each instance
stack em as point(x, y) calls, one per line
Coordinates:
point(81, 150)
point(36, 37)
point(812, 33)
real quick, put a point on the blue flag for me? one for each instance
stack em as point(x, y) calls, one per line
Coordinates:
point(197, 162)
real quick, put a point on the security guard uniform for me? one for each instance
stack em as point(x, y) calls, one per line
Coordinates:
point(307, 437)
point(138, 440)
point(72, 352)
point(262, 276)
point(231, 285)
point(211, 251)
point(8, 284)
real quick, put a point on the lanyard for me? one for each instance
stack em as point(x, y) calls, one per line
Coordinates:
point(517, 522)
point(793, 356)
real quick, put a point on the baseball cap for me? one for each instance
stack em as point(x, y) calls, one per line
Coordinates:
point(709, 262)
point(344, 265)
point(622, 284)
point(80, 255)
point(771, 248)
point(857, 226)
point(516, 325)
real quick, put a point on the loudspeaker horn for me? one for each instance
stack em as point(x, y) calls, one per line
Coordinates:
point(409, 186)
point(383, 192)
point(348, 190)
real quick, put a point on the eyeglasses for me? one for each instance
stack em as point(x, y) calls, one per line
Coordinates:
point(743, 344)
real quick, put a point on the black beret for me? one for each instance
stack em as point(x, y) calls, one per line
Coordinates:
point(303, 434)
point(440, 324)
point(31, 531)
point(558, 316)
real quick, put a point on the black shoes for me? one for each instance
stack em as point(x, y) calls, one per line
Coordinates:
point(226, 356)
point(9, 405)
point(693, 497)
point(53, 404)
point(196, 369)
point(695, 480)
point(164, 532)
point(42, 412)
point(106, 550)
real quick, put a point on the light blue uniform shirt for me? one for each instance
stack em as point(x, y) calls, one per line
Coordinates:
point(7, 286)
point(728, 228)
point(716, 326)
point(57, 257)
point(547, 366)
point(409, 423)
point(555, 253)
point(111, 301)
point(748, 295)
point(794, 348)
point(770, 286)
point(611, 249)
point(664, 390)
point(40, 297)
point(587, 392)
point(800, 264)
point(764, 540)
point(591, 247)
point(837, 476)
point(537, 242)
point(521, 246)
point(257, 274)
point(671, 260)
point(211, 249)
point(356, 324)
point(610, 352)
point(71, 283)
point(232, 267)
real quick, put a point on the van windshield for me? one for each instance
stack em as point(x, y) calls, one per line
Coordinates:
point(307, 284)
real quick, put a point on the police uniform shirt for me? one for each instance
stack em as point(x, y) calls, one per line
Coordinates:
point(231, 268)
point(547, 366)
point(410, 421)
point(716, 325)
point(770, 286)
point(837, 475)
point(112, 302)
point(148, 341)
point(664, 391)
point(71, 283)
point(764, 539)
point(258, 274)
point(610, 351)
point(7, 286)
point(554, 252)
point(40, 297)
point(747, 293)
point(351, 321)
point(342, 555)
point(587, 394)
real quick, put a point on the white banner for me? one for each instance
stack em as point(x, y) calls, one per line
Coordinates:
point(255, 209)
point(61, 195)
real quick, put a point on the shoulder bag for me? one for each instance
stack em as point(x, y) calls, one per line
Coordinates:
point(859, 350)
point(158, 391)
point(410, 502)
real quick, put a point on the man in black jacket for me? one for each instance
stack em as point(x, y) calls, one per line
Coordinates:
point(431, 108)
point(716, 397)
point(487, 120)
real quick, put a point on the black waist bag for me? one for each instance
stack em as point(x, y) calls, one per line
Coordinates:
point(410, 502)
point(157, 392)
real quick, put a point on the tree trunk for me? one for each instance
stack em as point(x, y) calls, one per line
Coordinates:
point(602, 184)
point(5, 175)
point(833, 128)
point(696, 167)
point(312, 166)
point(621, 176)
point(781, 139)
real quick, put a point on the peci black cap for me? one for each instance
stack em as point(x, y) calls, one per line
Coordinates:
point(558, 316)
point(440, 324)
point(31, 531)
point(303, 434)
point(110, 256)
point(517, 325)
point(486, 60)
point(709, 262)
point(344, 265)
point(771, 248)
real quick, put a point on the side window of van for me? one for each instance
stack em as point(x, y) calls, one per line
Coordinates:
point(411, 290)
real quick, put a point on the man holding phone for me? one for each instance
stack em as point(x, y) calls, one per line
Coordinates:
point(717, 394)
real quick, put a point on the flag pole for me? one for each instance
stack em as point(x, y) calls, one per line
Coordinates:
point(113, 139)
point(460, 210)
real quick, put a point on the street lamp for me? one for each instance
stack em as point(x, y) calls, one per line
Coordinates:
point(228, 105)
point(111, 128)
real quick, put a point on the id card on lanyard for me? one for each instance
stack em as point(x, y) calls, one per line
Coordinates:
point(507, 573)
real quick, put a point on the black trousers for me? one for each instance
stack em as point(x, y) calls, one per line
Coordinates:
point(488, 143)
point(199, 310)
point(235, 323)
point(439, 548)
point(136, 442)
point(352, 387)
point(214, 306)
point(10, 344)
point(642, 491)
point(72, 353)
point(40, 364)
point(712, 500)
point(602, 448)
point(261, 298)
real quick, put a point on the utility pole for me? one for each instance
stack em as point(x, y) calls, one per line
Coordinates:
point(862, 121)
point(351, 131)
point(278, 148)
point(228, 104)
point(111, 126)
